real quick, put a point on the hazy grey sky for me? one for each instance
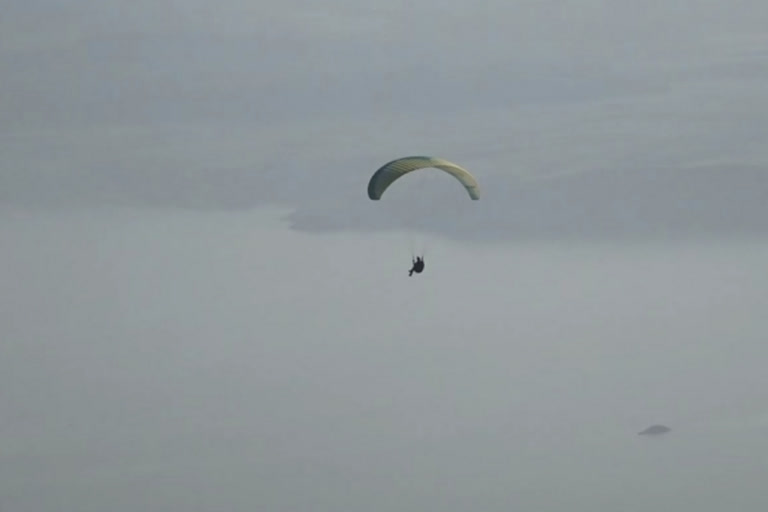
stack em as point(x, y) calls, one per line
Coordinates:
point(201, 361)
point(202, 311)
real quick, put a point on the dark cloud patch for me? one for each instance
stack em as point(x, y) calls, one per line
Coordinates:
point(656, 203)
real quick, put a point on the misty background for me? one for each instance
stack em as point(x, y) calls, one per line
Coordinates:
point(202, 310)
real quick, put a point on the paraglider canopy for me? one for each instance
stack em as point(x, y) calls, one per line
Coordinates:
point(390, 172)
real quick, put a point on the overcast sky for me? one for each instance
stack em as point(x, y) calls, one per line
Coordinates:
point(237, 104)
point(202, 310)
point(219, 361)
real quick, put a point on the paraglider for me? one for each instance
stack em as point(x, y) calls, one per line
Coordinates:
point(418, 266)
point(390, 172)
